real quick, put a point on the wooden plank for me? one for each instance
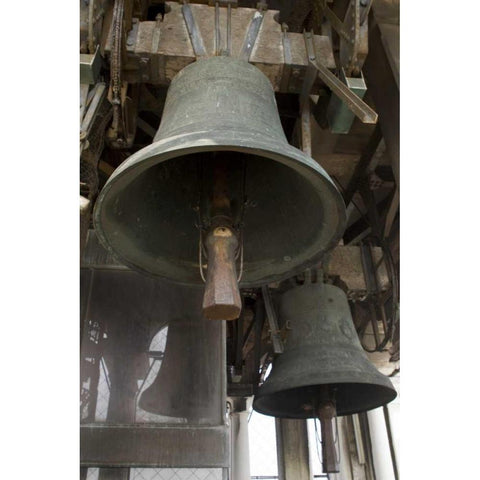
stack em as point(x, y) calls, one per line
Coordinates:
point(292, 449)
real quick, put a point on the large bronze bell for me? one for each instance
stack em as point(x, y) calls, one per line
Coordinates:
point(324, 371)
point(220, 161)
point(322, 349)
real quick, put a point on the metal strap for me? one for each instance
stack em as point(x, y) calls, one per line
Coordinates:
point(308, 81)
point(229, 29)
point(193, 31)
point(287, 60)
point(368, 269)
point(252, 34)
point(100, 93)
point(217, 29)
point(311, 74)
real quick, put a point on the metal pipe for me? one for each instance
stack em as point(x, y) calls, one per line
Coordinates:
point(229, 29)
point(386, 414)
point(217, 29)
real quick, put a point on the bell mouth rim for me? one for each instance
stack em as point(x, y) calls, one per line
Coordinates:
point(252, 143)
point(390, 394)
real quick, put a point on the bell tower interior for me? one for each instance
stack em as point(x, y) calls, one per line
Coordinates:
point(239, 224)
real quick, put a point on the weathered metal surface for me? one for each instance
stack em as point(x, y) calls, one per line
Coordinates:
point(365, 113)
point(354, 48)
point(161, 49)
point(272, 320)
point(340, 117)
point(352, 31)
point(84, 88)
point(322, 351)
point(90, 65)
point(251, 36)
point(195, 36)
point(292, 449)
point(287, 56)
point(146, 212)
point(345, 262)
point(308, 81)
point(99, 95)
point(154, 446)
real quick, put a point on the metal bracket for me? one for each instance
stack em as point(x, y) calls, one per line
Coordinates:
point(223, 3)
point(352, 101)
point(252, 34)
point(353, 32)
point(340, 117)
point(275, 333)
point(193, 31)
point(217, 38)
point(90, 65)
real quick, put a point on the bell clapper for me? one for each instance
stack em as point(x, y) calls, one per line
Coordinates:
point(327, 413)
point(221, 300)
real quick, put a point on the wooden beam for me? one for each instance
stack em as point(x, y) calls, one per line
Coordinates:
point(158, 50)
point(292, 449)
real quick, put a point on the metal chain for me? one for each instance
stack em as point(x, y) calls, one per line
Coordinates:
point(116, 61)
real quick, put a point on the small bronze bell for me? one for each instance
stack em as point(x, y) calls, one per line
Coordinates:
point(324, 370)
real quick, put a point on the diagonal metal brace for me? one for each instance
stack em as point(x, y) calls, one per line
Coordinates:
point(193, 31)
point(272, 321)
point(252, 33)
point(351, 100)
